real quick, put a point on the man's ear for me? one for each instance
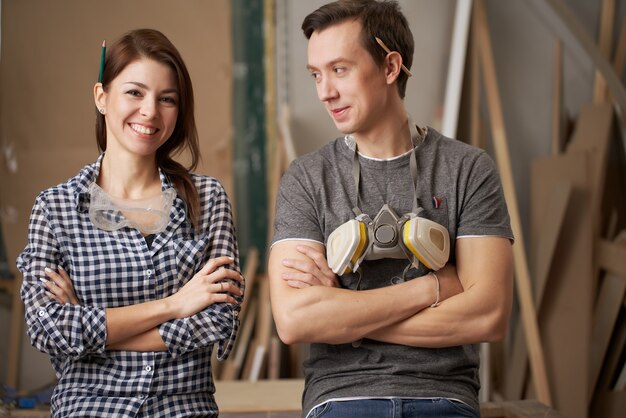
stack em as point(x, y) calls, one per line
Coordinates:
point(393, 66)
point(99, 96)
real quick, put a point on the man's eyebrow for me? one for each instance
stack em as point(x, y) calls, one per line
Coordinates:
point(330, 63)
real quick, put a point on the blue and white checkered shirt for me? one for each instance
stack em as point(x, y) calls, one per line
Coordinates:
point(113, 269)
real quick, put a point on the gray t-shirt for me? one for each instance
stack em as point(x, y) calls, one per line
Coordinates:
point(458, 187)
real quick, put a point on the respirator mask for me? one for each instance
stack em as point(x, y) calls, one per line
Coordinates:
point(388, 235)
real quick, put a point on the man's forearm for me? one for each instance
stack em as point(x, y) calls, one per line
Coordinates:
point(336, 316)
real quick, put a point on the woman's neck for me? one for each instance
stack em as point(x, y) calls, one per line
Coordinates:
point(129, 177)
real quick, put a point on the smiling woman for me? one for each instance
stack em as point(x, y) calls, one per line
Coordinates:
point(122, 278)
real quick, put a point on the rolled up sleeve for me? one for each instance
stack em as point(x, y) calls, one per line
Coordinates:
point(218, 323)
point(59, 330)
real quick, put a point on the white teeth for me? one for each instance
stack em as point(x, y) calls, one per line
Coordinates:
point(143, 129)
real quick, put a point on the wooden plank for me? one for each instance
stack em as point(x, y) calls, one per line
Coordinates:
point(620, 51)
point(611, 256)
point(612, 361)
point(609, 404)
point(523, 283)
point(476, 132)
point(548, 234)
point(517, 409)
point(15, 336)
point(267, 395)
point(545, 237)
point(256, 360)
point(604, 45)
point(249, 273)
point(608, 305)
point(581, 35)
point(566, 302)
point(557, 99)
point(593, 133)
point(275, 358)
point(233, 366)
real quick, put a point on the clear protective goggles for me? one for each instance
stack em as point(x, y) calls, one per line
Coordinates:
point(410, 236)
point(149, 216)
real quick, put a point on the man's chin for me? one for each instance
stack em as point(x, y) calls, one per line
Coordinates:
point(344, 128)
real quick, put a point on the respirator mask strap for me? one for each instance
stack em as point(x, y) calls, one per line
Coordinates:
point(416, 138)
point(351, 243)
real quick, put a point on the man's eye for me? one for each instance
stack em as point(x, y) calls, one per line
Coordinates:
point(339, 70)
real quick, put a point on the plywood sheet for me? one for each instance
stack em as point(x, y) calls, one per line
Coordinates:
point(566, 308)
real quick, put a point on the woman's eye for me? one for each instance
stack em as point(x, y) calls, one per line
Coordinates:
point(168, 100)
point(135, 93)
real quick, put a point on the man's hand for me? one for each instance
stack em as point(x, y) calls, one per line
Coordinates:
point(313, 271)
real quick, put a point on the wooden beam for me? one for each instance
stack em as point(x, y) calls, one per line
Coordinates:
point(565, 311)
point(549, 234)
point(231, 368)
point(614, 83)
point(620, 51)
point(604, 45)
point(267, 395)
point(546, 238)
point(557, 100)
point(611, 256)
point(476, 131)
point(523, 282)
point(15, 338)
point(609, 303)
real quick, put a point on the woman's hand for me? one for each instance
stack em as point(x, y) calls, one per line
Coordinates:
point(313, 271)
point(212, 284)
point(60, 286)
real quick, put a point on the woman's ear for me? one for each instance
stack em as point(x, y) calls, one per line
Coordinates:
point(393, 66)
point(99, 97)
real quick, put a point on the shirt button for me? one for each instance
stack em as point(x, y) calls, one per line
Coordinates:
point(141, 396)
point(236, 314)
point(42, 312)
point(148, 368)
point(149, 272)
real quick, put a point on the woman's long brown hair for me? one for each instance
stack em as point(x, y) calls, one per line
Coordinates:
point(152, 44)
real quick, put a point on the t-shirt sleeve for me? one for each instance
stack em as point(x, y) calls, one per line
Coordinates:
point(296, 209)
point(483, 210)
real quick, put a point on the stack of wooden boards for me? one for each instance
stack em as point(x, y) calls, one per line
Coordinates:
point(572, 327)
point(257, 353)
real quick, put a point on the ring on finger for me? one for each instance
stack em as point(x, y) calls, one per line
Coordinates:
point(221, 286)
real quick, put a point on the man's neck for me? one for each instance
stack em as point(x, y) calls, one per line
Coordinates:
point(388, 138)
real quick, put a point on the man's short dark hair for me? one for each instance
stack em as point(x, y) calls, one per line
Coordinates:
point(382, 19)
